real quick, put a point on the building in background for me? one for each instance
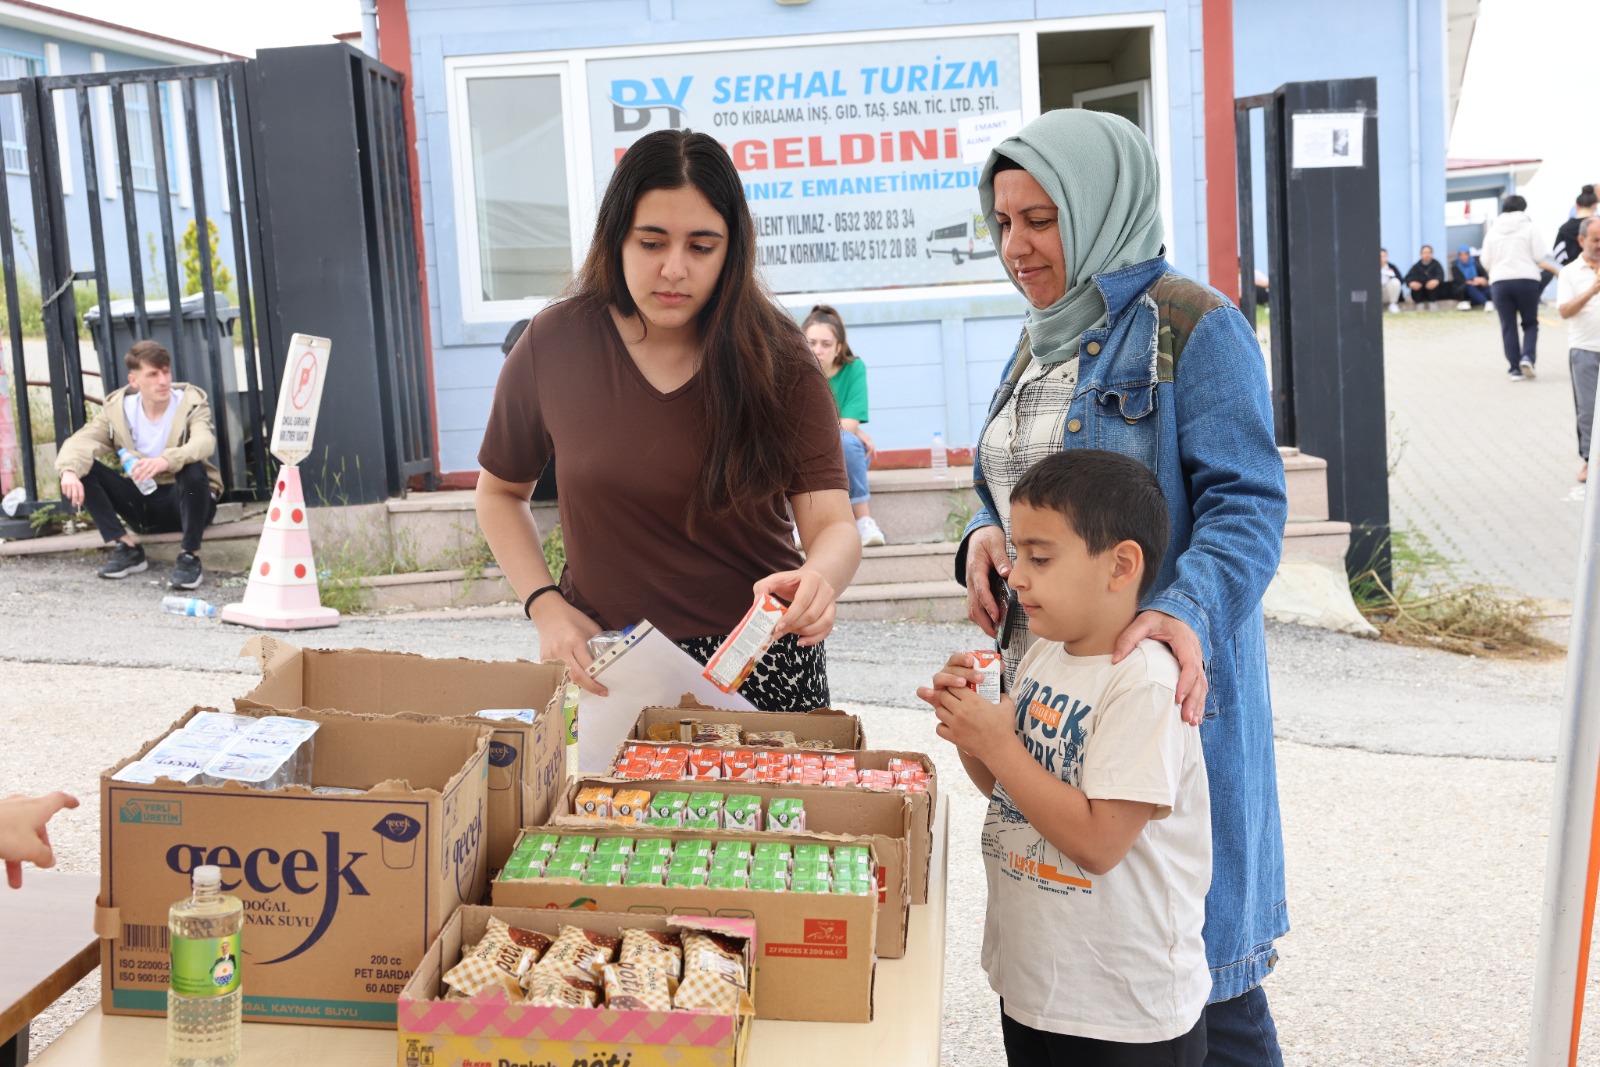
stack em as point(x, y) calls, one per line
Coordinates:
point(36, 41)
point(860, 130)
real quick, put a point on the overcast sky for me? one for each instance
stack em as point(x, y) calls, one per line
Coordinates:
point(1519, 97)
point(1532, 91)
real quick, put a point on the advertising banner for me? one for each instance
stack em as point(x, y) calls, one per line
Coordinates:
point(860, 161)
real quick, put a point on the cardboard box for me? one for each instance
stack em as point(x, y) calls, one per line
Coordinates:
point(527, 763)
point(920, 837)
point(489, 1030)
point(342, 894)
point(885, 818)
point(815, 959)
point(824, 724)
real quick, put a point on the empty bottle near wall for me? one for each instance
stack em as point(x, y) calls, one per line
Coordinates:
point(145, 485)
point(186, 605)
point(941, 459)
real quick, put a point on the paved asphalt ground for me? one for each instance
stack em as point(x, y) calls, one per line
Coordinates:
point(1416, 785)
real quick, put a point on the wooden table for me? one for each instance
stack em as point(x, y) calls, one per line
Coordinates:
point(47, 928)
point(907, 1017)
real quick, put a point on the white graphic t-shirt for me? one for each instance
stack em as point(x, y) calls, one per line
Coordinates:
point(1115, 957)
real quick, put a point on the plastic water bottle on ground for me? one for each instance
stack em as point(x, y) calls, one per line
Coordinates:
point(187, 605)
point(204, 992)
point(941, 459)
point(145, 485)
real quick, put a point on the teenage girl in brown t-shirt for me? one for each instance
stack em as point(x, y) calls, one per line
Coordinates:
point(687, 418)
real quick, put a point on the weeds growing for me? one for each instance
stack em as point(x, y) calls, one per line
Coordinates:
point(1424, 604)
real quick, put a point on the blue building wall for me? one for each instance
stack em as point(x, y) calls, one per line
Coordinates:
point(1361, 39)
point(932, 362)
point(76, 57)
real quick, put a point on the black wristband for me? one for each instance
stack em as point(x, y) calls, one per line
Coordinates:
point(527, 605)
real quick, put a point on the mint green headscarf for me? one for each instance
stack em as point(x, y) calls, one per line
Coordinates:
point(1101, 172)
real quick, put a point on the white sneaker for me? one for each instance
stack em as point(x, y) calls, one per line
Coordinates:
point(1465, 305)
point(1394, 308)
point(871, 536)
point(1527, 369)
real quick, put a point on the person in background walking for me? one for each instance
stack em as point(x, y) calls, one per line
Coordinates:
point(1566, 249)
point(1425, 279)
point(847, 378)
point(1393, 285)
point(1467, 282)
point(1575, 300)
point(1511, 255)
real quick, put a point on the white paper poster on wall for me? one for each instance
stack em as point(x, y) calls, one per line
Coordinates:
point(1329, 139)
point(851, 154)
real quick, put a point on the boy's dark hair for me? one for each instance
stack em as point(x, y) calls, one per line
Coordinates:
point(147, 354)
point(1106, 498)
point(1514, 203)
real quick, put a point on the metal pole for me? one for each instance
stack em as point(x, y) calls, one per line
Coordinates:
point(369, 27)
point(1567, 918)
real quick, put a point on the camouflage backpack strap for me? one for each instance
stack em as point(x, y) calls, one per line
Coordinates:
point(1180, 305)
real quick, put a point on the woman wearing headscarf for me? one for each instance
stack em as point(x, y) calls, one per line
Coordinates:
point(1470, 284)
point(1121, 352)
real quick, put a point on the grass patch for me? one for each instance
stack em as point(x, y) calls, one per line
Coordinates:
point(555, 553)
point(1425, 605)
point(963, 505)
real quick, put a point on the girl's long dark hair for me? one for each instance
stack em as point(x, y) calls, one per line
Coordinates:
point(753, 356)
point(823, 315)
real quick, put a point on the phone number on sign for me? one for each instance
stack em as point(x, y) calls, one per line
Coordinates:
point(879, 248)
point(849, 221)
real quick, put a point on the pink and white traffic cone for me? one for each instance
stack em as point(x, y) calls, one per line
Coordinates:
point(282, 594)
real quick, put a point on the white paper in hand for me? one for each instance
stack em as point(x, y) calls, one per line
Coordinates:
point(647, 669)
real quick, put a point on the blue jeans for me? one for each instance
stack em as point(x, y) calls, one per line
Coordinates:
point(855, 466)
point(1240, 1032)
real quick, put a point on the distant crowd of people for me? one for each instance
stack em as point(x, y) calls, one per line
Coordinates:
point(1508, 275)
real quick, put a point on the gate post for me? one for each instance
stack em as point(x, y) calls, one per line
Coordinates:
point(55, 260)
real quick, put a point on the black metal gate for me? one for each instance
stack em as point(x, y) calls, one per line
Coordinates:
point(240, 373)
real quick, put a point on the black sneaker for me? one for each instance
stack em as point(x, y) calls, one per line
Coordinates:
point(186, 572)
point(126, 559)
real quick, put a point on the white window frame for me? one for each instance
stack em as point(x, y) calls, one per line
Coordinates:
point(572, 64)
point(1140, 88)
point(474, 308)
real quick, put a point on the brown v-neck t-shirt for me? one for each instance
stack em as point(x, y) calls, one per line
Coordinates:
point(628, 457)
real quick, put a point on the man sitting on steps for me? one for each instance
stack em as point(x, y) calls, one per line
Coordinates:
point(167, 426)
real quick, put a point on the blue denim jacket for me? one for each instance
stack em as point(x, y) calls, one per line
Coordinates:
point(1182, 387)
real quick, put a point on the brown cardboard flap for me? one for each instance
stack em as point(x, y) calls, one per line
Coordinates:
point(269, 652)
point(107, 921)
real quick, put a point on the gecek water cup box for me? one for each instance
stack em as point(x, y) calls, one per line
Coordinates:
point(342, 893)
point(527, 760)
point(490, 1030)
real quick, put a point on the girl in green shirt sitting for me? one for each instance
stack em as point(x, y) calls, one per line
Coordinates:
point(847, 377)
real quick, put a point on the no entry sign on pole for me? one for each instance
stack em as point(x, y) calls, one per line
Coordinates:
point(306, 370)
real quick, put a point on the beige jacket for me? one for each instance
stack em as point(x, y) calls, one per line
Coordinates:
point(192, 439)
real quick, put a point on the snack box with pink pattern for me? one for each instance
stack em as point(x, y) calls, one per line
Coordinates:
point(487, 1027)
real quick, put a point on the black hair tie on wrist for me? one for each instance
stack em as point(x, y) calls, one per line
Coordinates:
point(527, 605)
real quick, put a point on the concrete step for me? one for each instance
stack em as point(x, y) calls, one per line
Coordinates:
point(914, 507)
point(1316, 540)
point(940, 601)
point(433, 590)
point(229, 547)
point(930, 562)
point(1307, 480)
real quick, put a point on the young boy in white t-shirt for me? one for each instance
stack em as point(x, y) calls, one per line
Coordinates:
point(1097, 842)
